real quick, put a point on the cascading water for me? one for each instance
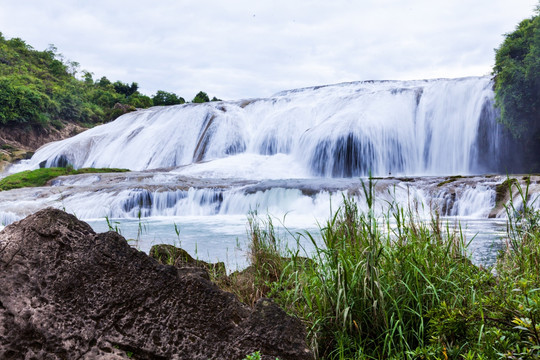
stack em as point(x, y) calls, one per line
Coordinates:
point(383, 127)
point(292, 155)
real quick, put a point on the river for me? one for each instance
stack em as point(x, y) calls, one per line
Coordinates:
point(433, 146)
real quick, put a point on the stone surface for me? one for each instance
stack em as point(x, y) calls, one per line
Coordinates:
point(30, 138)
point(69, 293)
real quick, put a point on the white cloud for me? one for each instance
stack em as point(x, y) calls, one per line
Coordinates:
point(239, 49)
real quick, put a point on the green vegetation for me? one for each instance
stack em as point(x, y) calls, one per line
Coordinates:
point(42, 88)
point(402, 288)
point(517, 86)
point(504, 189)
point(202, 97)
point(166, 98)
point(40, 177)
point(254, 356)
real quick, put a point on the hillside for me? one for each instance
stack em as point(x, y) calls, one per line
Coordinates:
point(45, 97)
point(43, 100)
point(40, 88)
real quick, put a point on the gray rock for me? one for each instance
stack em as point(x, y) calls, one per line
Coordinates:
point(69, 293)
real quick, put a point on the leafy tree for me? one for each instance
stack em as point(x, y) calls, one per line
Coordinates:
point(22, 104)
point(201, 97)
point(39, 88)
point(125, 89)
point(517, 85)
point(87, 77)
point(104, 82)
point(167, 98)
point(139, 100)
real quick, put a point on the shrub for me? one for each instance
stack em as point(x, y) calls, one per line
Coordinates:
point(517, 85)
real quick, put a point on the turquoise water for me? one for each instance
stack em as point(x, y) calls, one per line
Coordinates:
point(225, 238)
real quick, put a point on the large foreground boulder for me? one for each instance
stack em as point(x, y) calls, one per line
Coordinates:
point(69, 293)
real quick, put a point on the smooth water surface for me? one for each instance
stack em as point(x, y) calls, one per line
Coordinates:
point(225, 238)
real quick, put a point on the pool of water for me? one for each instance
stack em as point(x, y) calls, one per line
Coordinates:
point(225, 238)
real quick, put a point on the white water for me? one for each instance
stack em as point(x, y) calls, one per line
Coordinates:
point(294, 156)
point(399, 127)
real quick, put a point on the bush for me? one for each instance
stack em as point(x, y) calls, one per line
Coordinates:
point(23, 104)
point(37, 87)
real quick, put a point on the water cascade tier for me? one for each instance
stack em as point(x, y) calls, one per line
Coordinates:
point(150, 194)
point(405, 128)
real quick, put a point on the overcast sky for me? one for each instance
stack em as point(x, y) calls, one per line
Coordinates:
point(244, 49)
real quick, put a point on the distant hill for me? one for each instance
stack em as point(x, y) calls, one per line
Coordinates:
point(40, 89)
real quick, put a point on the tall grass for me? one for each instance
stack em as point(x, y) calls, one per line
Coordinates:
point(268, 258)
point(374, 284)
point(398, 287)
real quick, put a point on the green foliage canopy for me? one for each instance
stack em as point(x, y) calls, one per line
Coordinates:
point(517, 80)
point(39, 88)
point(167, 98)
point(201, 97)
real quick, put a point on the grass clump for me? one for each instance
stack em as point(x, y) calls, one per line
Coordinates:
point(268, 259)
point(40, 177)
point(397, 287)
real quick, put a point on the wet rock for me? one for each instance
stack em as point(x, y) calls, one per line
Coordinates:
point(69, 293)
point(503, 193)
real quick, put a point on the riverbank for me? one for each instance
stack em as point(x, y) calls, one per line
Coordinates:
point(403, 288)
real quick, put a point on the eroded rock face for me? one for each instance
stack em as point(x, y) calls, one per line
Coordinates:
point(69, 293)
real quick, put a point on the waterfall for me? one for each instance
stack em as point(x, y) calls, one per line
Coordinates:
point(295, 154)
point(423, 127)
point(166, 194)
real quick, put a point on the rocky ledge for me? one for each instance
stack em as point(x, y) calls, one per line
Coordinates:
point(69, 293)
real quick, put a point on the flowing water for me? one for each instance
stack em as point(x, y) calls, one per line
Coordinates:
point(294, 156)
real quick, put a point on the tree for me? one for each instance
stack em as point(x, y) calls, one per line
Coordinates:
point(125, 89)
point(517, 84)
point(201, 97)
point(167, 98)
point(87, 77)
point(103, 82)
point(139, 100)
point(39, 88)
